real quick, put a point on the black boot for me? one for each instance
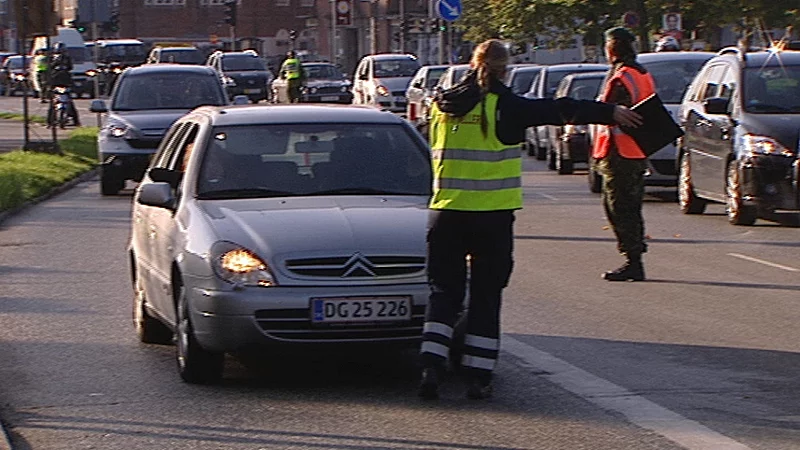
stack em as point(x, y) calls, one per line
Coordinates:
point(632, 270)
point(429, 385)
point(479, 387)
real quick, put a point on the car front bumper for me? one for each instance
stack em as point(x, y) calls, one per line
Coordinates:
point(252, 318)
point(771, 182)
point(128, 159)
point(254, 93)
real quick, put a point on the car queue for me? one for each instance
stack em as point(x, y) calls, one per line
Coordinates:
point(236, 182)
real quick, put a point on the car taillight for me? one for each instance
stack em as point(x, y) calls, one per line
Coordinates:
point(412, 111)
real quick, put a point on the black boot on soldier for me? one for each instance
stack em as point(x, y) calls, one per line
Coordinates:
point(632, 270)
point(479, 386)
point(429, 385)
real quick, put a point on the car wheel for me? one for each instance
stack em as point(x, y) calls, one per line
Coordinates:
point(541, 152)
point(149, 329)
point(551, 160)
point(595, 181)
point(528, 148)
point(738, 212)
point(110, 184)
point(564, 166)
point(196, 365)
point(688, 201)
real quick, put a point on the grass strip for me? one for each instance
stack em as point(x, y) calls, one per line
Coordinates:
point(27, 175)
point(21, 117)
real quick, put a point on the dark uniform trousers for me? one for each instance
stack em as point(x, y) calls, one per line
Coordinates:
point(623, 194)
point(487, 237)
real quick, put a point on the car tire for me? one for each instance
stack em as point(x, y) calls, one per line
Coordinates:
point(541, 152)
point(110, 183)
point(738, 212)
point(563, 165)
point(529, 148)
point(149, 329)
point(688, 201)
point(595, 181)
point(196, 365)
point(551, 160)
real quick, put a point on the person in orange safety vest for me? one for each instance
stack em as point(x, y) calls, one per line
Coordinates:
point(618, 158)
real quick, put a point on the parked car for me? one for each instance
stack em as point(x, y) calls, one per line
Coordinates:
point(242, 73)
point(175, 55)
point(672, 73)
point(381, 80)
point(145, 102)
point(452, 76)
point(571, 143)
point(120, 52)
point(420, 92)
point(741, 116)
point(14, 74)
point(537, 141)
point(281, 226)
point(323, 83)
point(520, 77)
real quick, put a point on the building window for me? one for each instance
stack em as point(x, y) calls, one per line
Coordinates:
point(281, 2)
point(164, 2)
point(212, 2)
point(306, 2)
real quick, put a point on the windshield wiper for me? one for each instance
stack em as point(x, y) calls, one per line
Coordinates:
point(242, 193)
point(361, 191)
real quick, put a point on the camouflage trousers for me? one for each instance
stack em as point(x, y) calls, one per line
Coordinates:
point(623, 194)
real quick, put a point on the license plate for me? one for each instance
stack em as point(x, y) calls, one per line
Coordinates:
point(399, 99)
point(332, 98)
point(360, 309)
point(252, 91)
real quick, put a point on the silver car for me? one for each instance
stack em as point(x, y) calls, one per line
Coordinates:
point(287, 225)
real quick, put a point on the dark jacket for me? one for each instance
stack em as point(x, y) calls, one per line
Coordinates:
point(515, 113)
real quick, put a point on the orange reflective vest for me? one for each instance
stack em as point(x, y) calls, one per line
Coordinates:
point(640, 86)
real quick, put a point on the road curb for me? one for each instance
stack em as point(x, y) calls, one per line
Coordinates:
point(86, 176)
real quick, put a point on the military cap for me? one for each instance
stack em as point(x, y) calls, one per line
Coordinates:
point(620, 34)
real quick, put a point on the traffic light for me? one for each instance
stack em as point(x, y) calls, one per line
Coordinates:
point(78, 25)
point(230, 12)
point(442, 25)
point(113, 22)
point(292, 34)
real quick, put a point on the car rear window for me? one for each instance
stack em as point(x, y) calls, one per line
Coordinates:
point(313, 159)
point(167, 90)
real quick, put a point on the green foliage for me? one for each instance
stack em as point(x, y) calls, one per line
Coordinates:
point(28, 175)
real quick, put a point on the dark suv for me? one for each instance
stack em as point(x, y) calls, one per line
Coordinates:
point(242, 73)
point(741, 116)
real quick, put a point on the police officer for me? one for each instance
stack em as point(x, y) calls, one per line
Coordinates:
point(476, 131)
point(293, 72)
point(619, 159)
point(40, 69)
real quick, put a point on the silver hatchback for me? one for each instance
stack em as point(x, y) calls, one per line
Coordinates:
point(291, 225)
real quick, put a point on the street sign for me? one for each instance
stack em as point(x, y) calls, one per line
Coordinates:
point(344, 13)
point(449, 10)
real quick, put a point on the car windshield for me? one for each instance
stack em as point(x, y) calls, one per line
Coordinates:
point(521, 81)
point(772, 90)
point(15, 62)
point(433, 76)
point(392, 68)
point(313, 159)
point(187, 56)
point(322, 71)
point(585, 88)
point(160, 90)
point(242, 63)
point(672, 77)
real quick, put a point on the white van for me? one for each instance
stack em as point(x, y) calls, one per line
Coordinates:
point(381, 80)
point(81, 57)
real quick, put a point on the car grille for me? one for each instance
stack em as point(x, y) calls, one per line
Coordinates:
point(329, 90)
point(399, 93)
point(357, 266)
point(664, 166)
point(296, 325)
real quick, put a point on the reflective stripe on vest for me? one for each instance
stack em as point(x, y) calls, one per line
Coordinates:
point(472, 172)
point(640, 86)
point(292, 68)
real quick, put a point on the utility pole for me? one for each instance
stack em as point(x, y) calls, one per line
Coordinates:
point(373, 29)
point(333, 31)
point(403, 26)
point(21, 30)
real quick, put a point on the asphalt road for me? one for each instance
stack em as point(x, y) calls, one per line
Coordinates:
point(12, 131)
point(702, 356)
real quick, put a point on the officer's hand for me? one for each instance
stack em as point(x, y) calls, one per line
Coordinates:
point(624, 116)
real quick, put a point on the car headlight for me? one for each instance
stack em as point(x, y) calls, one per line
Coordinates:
point(382, 90)
point(764, 145)
point(240, 266)
point(229, 81)
point(91, 72)
point(575, 129)
point(117, 131)
point(19, 77)
point(312, 90)
point(344, 88)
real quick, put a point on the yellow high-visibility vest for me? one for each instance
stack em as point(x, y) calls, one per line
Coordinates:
point(291, 67)
point(472, 172)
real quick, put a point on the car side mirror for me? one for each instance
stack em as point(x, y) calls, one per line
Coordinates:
point(417, 84)
point(716, 105)
point(158, 194)
point(163, 175)
point(363, 76)
point(98, 106)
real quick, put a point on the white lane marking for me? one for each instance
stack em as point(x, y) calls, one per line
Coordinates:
point(547, 196)
point(761, 261)
point(607, 395)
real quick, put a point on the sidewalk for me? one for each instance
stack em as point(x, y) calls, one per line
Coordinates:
point(12, 134)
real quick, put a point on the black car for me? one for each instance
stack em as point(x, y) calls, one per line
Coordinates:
point(323, 83)
point(145, 102)
point(13, 74)
point(571, 143)
point(741, 116)
point(242, 73)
